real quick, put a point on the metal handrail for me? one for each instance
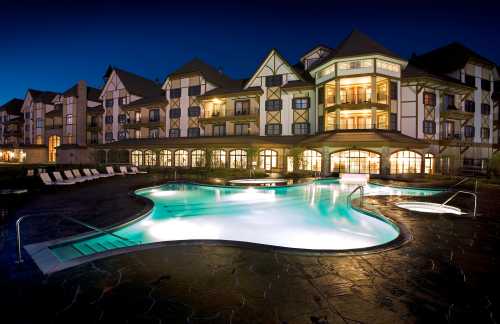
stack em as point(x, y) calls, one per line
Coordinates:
point(463, 192)
point(464, 180)
point(71, 219)
point(362, 193)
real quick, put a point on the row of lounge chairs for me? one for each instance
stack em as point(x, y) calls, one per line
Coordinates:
point(74, 176)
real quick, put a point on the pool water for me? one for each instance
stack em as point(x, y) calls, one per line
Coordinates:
point(312, 216)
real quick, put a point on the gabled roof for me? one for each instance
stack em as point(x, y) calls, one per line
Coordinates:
point(45, 97)
point(355, 44)
point(323, 46)
point(449, 58)
point(413, 70)
point(274, 51)
point(358, 43)
point(13, 106)
point(135, 84)
point(92, 93)
point(208, 72)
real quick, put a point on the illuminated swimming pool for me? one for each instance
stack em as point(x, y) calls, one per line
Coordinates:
point(312, 216)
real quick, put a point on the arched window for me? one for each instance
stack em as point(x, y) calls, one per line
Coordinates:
point(406, 162)
point(268, 159)
point(181, 158)
point(54, 142)
point(355, 161)
point(311, 160)
point(198, 159)
point(149, 158)
point(219, 158)
point(238, 159)
point(137, 158)
point(165, 158)
point(429, 163)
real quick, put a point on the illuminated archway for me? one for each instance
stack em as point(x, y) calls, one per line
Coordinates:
point(355, 161)
point(238, 159)
point(406, 162)
point(137, 158)
point(268, 159)
point(198, 159)
point(311, 160)
point(181, 158)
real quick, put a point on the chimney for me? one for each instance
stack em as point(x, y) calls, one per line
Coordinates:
point(80, 115)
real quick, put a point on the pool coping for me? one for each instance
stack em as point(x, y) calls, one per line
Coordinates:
point(49, 263)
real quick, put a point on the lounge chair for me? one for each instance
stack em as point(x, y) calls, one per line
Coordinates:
point(123, 170)
point(59, 179)
point(111, 171)
point(136, 170)
point(78, 175)
point(97, 173)
point(70, 176)
point(89, 174)
point(48, 181)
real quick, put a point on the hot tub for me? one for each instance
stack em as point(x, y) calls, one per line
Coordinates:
point(427, 207)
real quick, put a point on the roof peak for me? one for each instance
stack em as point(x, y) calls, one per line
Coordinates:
point(359, 43)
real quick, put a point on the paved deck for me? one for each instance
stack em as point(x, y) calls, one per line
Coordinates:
point(447, 273)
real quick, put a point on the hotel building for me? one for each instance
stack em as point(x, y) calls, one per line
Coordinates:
point(357, 108)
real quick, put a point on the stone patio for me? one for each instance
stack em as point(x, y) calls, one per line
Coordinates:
point(447, 273)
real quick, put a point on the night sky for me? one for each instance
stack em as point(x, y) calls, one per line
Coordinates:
point(50, 45)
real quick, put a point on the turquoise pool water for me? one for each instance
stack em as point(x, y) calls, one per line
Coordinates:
point(312, 216)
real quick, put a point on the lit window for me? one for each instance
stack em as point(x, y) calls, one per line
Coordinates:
point(355, 161)
point(165, 158)
point(54, 142)
point(268, 159)
point(149, 158)
point(384, 65)
point(181, 158)
point(429, 163)
point(352, 65)
point(238, 159)
point(137, 158)
point(219, 159)
point(326, 71)
point(198, 159)
point(405, 162)
point(242, 107)
point(311, 160)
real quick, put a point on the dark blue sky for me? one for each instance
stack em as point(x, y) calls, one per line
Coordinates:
point(49, 45)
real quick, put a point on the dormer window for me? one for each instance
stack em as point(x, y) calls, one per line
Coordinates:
point(274, 80)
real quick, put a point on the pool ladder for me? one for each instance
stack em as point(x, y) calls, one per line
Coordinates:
point(464, 180)
point(462, 192)
point(19, 244)
point(362, 193)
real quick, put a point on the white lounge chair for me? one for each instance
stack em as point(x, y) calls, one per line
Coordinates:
point(136, 170)
point(70, 176)
point(123, 170)
point(48, 181)
point(78, 175)
point(111, 171)
point(102, 175)
point(59, 179)
point(89, 174)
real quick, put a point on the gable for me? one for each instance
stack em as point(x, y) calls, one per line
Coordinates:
point(112, 84)
point(273, 64)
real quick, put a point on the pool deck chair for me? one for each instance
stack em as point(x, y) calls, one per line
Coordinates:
point(136, 170)
point(97, 173)
point(111, 171)
point(354, 178)
point(123, 170)
point(70, 176)
point(59, 179)
point(48, 181)
point(78, 175)
point(89, 174)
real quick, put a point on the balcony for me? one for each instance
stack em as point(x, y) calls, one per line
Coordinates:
point(357, 99)
point(249, 114)
point(451, 112)
point(150, 123)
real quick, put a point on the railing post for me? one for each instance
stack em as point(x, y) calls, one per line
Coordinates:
point(18, 240)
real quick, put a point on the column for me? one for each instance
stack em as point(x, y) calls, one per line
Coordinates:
point(373, 100)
